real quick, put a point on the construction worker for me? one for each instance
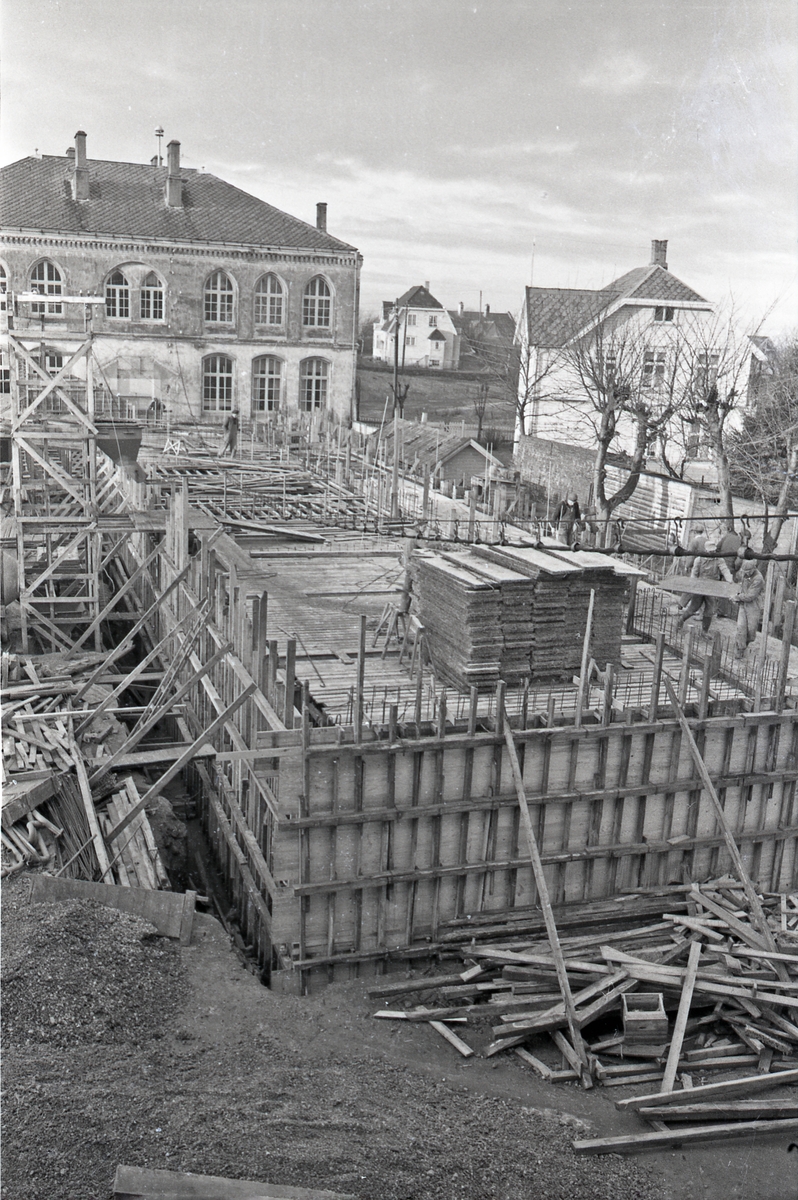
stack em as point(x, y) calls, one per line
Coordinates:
point(230, 433)
point(749, 599)
point(703, 568)
point(567, 516)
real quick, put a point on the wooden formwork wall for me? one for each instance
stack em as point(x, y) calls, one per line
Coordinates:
point(380, 845)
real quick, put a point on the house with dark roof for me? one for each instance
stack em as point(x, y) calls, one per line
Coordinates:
point(648, 307)
point(418, 330)
point(199, 297)
point(486, 338)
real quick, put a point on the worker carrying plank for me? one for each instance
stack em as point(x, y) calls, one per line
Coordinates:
point(749, 612)
point(704, 568)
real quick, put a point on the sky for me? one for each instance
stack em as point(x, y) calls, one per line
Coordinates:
point(478, 144)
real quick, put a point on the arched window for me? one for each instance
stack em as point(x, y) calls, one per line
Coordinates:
point(267, 383)
point(217, 383)
point(45, 278)
point(117, 296)
point(269, 301)
point(313, 376)
point(3, 300)
point(316, 304)
point(151, 298)
point(219, 299)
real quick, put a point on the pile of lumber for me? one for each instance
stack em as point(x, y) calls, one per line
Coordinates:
point(58, 724)
point(517, 613)
point(725, 972)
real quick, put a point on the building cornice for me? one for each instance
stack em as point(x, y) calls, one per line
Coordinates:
point(241, 251)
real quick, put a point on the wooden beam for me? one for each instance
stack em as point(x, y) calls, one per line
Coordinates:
point(543, 897)
point(672, 1065)
point(112, 603)
point(124, 645)
point(757, 912)
point(88, 805)
point(664, 1140)
point(181, 762)
point(141, 731)
point(746, 1086)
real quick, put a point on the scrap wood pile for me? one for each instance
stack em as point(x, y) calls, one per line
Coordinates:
point(58, 726)
point(689, 1002)
point(515, 613)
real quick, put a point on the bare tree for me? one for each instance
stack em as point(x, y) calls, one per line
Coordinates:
point(627, 391)
point(479, 399)
point(763, 452)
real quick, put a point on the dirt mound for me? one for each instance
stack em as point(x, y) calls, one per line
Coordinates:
point(78, 972)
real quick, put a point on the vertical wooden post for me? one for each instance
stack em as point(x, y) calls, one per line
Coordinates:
point(580, 697)
point(763, 645)
point(290, 680)
point(656, 680)
point(472, 514)
point(361, 675)
point(609, 681)
point(271, 672)
point(543, 896)
point(786, 642)
point(425, 496)
point(706, 676)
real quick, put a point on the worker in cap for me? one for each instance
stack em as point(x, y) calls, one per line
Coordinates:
point(749, 600)
point(703, 569)
point(567, 516)
point(230, 434)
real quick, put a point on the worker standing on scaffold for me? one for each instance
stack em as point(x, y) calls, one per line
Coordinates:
point(230, 434)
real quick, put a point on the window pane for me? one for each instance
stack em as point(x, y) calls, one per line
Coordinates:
point(313, 384)
point(46, 280)
point(269, 301)
point(117, 296)
point(219, 299)
point(152, 298)
point(266, 384)
point(217, 383)
point(316, 304)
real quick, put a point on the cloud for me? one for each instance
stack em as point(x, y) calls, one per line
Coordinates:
point(616, 74)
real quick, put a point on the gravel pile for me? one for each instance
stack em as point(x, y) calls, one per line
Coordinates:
point(79, 972)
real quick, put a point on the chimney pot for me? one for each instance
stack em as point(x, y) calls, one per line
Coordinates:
point(174, 184)
point(70, 151)
point(659, 253)
point(487, 310)
point(426, 284)
point(80, 180)
point(321, 216)
point(462, 308)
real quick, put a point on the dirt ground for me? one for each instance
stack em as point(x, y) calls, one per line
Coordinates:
point(227, 1078)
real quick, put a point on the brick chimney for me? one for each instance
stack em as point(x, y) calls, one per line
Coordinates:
point(174, 184)
point(487, 310)
point(80, 180)
point(426, 284)
point(321, 217)
point(461, 308)
point(659, 254)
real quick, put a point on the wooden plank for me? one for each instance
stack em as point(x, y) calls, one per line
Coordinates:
point(672, 1064)
point(745, 1086)
point(731, 1110)
point(535, 1063)
point(757, 912)
point(544, 900)
point(659, 1140)
point(88, 805)
point(181, 762)
point(460, 1046)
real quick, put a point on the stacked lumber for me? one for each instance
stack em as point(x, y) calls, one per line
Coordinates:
point(461, 613)
point(704, 957)
point(516, 613)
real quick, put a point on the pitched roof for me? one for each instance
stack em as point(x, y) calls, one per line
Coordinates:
point(127, 199)
point(652, 283)
point(554, 315)
point(418, 297)
point(436, 336)
point(427, 444)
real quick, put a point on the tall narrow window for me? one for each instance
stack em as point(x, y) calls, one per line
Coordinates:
point(3, 288)
point(219, 299)
point(217, 383)
point(269, 301)
point(267, 383)
point(45, 279)
point(152, 298)
point(5, 374)
point(316, 304)
point(117, 296)
point(313, 376)
point(707, 370)
point(653, 368)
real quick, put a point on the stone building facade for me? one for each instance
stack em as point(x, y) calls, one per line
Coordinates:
point(203, 298)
